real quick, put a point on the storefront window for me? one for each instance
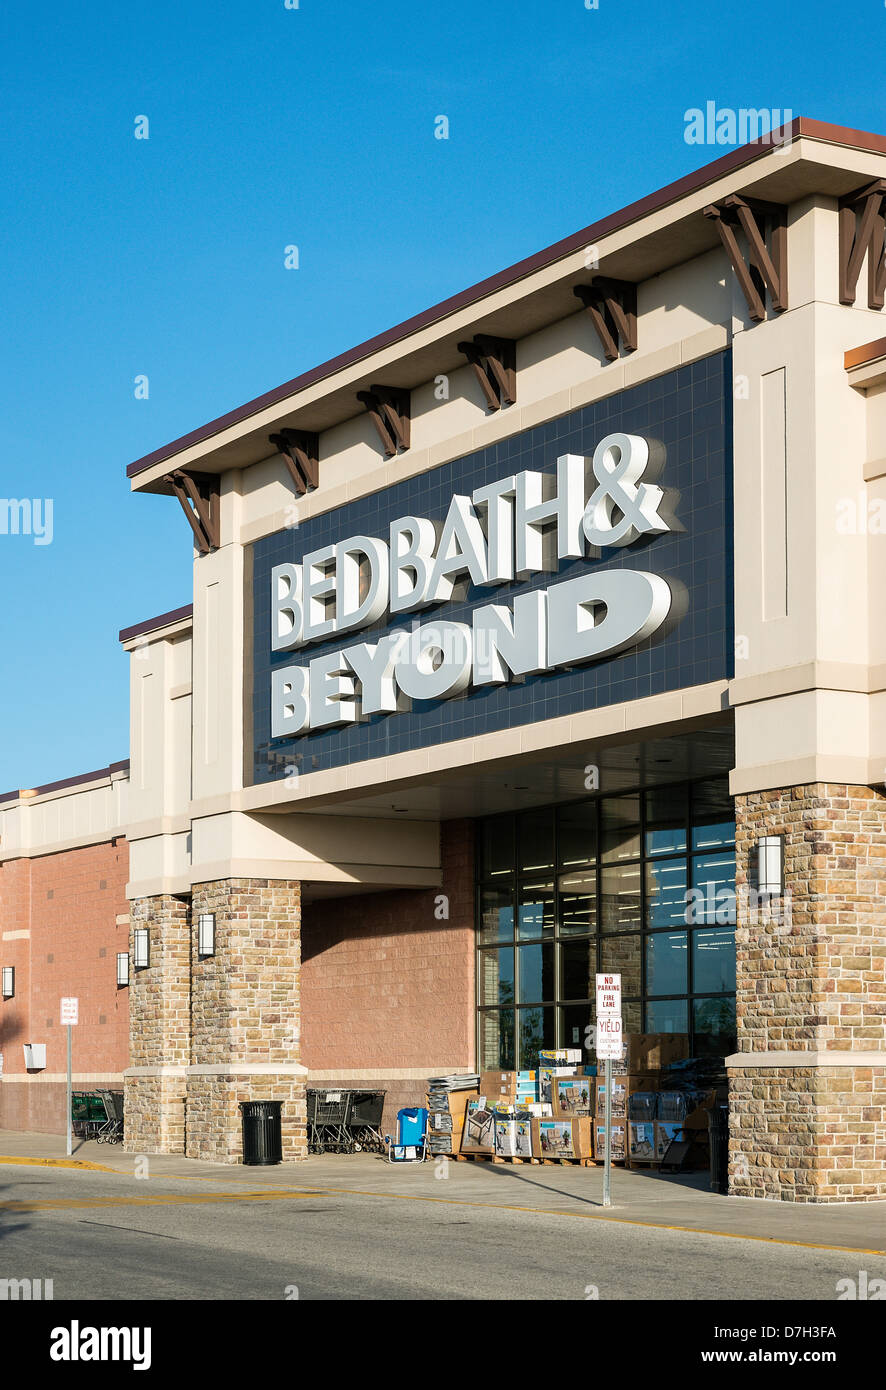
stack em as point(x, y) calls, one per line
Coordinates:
point(621, 828)
point(667, 1016)
point(623, 955)
point(713, 961)
point(713, 815)
point(578, 903)
point(577, 835)
point(535, 841)
point(575, 1022)
point(713, 879)
point(535, 910)
point(496, 1040)
point(578, 966)
point(621, 904)
point(642, 883)
point(536, 973)
point(535, 1031)
point(714, 1027)
point(667, 966)
point(666, 893)
point(496, 915)
point(667, 817)
point(497, 847)
point(495, 983)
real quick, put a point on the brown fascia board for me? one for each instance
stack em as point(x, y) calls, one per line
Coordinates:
point(84, 777)
point(151, 624)
point(733, 160)
point(868, 352)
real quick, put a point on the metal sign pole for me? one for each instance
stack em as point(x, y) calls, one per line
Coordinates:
point(70, 1137)
point(607, 1169)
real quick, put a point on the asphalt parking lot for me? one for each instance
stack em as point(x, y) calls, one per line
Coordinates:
point(355, 1228)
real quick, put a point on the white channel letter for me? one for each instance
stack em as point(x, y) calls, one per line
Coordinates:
point(498, 499)
point(636, 605)
point(462, 550)
point(289, 701)
point(373, 665)
point(331, 697)
point(505, 646)
point(421, 676)
point(413, 541)
point(319, 585)
point(350, 612)
point(536, 512)
point(619, 462)
point(287, 617)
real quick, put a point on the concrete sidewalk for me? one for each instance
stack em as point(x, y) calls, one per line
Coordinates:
point(644, 1198)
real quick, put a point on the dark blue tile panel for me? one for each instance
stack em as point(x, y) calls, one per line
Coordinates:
point(689, 411)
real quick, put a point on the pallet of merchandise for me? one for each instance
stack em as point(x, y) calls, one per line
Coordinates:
point(494, 1158)
point(575, 1162)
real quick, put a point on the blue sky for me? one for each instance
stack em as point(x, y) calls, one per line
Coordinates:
point(269, 127)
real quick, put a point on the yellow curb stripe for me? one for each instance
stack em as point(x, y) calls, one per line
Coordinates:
point(58, 1163)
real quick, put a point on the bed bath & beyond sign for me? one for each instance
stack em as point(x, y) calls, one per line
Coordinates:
point(505, 531)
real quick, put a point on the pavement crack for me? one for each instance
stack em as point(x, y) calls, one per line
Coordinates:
point(137, 1230)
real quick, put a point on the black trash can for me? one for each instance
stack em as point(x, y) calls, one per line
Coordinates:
point(718, 1129)
point(262, 1135)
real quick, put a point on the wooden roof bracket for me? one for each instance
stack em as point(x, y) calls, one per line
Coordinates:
point(494, 361)
point(198, 494)
point(612, 305)
point(868, 235)
point(390, 409)
point(301, 454)
point(764, 270)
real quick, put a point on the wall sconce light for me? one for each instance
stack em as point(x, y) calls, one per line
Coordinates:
point(770, 866)
point(122, 968)
point(8, 981)
point(206, 934)
point(141, 948)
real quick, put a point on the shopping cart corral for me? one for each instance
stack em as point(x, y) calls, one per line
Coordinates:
point(345, 1121)
point(98, 1115)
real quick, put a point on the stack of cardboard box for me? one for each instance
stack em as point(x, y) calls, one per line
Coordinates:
point(558, 1110)
point(563, 1139)
point(446, 1114)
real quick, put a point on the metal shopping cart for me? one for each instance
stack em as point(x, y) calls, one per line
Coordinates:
point(364, 1121)
point(87, 1114)
point(111, 1132)
point(327, 1121)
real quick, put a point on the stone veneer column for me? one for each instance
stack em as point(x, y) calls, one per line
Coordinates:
point(246, 1017)
point(159, 1028)
point(808, 1084)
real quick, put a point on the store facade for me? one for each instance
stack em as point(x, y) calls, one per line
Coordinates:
point(537, 636)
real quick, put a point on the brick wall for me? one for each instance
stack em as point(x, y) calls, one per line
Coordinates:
point(69, 904)
point(388, 980)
